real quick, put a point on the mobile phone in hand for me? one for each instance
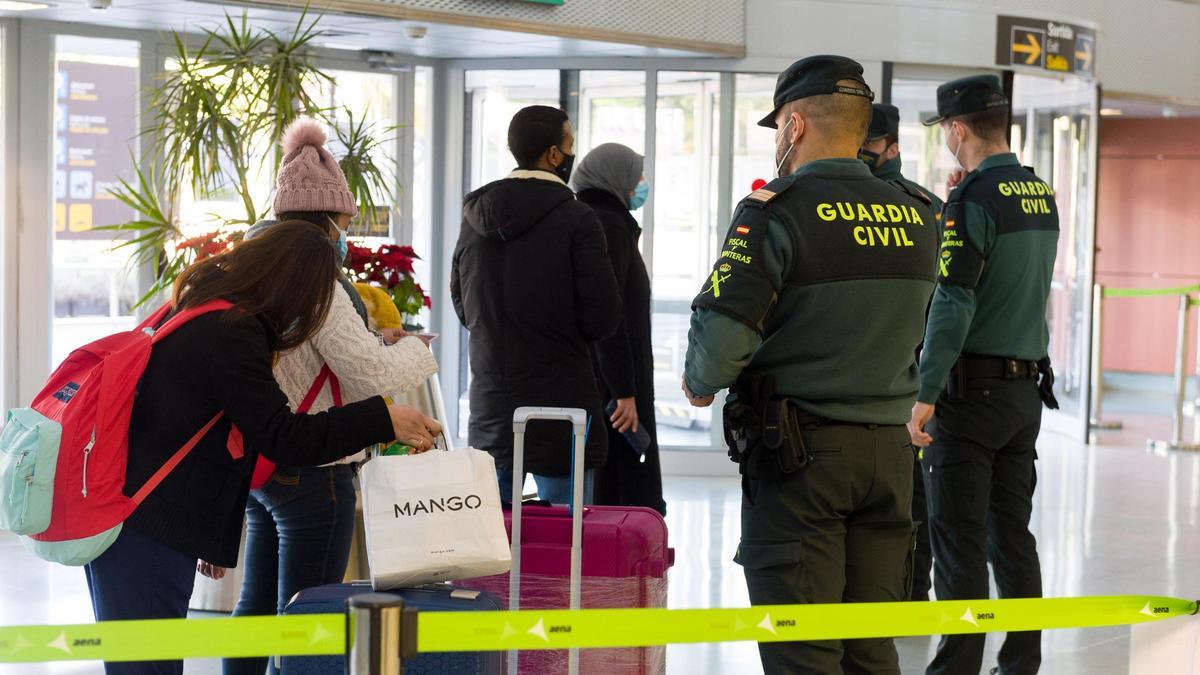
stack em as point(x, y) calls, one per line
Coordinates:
point(638, 441)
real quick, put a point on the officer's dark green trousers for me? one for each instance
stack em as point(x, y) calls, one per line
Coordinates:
point(839, 530)
point(981, 476)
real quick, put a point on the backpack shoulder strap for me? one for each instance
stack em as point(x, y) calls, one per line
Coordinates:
point(187, 315)
point(166, 469)
point(326, 375)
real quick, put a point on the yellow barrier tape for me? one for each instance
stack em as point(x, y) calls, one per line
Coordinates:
point(164, 639)
point(324, 634)
point(1148, 292)
point(564, 629)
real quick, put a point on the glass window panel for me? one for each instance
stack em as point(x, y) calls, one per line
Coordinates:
point(1053, 121)
point(753, 146)
point(494, 96)
point(924, 157)
point(372, 99)
point(612, 109)
point(95, 132)
point(685, 238)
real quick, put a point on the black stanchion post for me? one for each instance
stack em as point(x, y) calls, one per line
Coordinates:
point(374, 632)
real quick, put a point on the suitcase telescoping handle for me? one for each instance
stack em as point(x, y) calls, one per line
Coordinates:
point(578, 420)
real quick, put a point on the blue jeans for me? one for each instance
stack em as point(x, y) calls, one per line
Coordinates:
point(299, 528)
point(139, 578)
point(554, 489)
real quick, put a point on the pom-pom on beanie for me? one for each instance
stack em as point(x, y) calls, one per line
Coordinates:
point(309, 177)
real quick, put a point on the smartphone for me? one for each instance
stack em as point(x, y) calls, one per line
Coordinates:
point(638, 441)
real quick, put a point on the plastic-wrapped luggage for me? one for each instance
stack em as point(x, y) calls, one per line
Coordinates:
point(622, 560)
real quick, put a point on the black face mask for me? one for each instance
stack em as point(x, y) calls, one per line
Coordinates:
point(870, 158)
point(564, 170)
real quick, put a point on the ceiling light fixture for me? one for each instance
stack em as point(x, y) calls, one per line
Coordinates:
point(20, 6)
point(1111, 112)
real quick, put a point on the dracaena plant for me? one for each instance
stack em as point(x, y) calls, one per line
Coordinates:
point(219, 112)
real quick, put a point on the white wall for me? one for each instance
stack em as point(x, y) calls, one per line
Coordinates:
point(1146, 47)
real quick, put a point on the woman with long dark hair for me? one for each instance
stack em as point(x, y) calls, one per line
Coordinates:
point(281, 285)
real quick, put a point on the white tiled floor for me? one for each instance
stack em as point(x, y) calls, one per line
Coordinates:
point(1110, 519)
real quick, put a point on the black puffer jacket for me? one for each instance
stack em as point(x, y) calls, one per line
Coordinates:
point(532, 282)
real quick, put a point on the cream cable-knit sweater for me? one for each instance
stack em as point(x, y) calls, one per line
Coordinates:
point(364, 365)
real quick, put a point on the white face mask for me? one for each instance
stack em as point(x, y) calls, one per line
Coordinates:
point(955, 152)
point(779, 166)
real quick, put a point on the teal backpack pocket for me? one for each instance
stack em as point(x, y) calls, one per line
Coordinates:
point(28, 460)
point(74, 552)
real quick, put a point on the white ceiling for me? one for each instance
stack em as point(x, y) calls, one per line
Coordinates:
point(348, 31)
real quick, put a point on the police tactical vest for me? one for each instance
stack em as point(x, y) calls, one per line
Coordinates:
point(840, 229)
point(1016, 200)
point(841, 323)
point(1010, 271)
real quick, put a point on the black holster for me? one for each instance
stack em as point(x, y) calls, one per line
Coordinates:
point(1046, 384)
point(761, 429)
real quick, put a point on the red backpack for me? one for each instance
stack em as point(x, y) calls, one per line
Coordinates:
point(63, 459)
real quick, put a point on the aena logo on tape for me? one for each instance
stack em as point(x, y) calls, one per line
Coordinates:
point(86, 642)
point(438, 504)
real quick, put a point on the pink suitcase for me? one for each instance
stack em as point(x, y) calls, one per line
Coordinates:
point(622, 561)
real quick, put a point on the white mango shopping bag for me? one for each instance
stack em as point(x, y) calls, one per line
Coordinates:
point(433, 517)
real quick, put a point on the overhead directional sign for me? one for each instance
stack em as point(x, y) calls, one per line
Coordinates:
point(1051, 46)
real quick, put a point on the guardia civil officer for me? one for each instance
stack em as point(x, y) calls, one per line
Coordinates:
point(811, 316)
point(985, 367)
point(881, 152)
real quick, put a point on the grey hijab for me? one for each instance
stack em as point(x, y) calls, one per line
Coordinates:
point(611, 167)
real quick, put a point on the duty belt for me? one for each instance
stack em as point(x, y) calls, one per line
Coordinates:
point(998, 367)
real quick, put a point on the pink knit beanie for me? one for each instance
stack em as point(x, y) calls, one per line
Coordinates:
point(309, 177)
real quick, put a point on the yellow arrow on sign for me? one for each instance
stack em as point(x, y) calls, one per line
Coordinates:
point(1033, 50)
point(1084, 56)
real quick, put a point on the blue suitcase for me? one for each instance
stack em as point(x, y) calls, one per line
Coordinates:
point(331, 599)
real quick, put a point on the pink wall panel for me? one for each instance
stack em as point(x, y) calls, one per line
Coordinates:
point(1148, 234)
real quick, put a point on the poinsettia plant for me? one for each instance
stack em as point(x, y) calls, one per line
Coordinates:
point(390, 267)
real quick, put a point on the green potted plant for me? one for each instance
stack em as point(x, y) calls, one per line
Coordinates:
point(219, 111)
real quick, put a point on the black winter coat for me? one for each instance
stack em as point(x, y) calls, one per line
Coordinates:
point(532, 283)
point(218, 363)
point(625, 361)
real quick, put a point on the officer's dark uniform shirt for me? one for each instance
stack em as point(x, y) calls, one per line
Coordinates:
point(999, 243)
point(822, 282)
point(890, 171)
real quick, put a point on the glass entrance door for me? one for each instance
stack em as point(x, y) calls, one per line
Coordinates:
point(1054, 131)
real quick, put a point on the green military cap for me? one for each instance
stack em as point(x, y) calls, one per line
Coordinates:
point(885, 121)
point(816, 76)
point(967, 95)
